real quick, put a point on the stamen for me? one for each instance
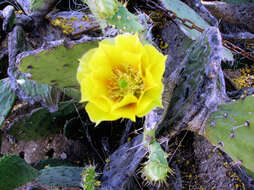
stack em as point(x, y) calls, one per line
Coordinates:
point(125, 80)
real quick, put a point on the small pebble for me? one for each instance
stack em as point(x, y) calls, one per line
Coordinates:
point(63, 156)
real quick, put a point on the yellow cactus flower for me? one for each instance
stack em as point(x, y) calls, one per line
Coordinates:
point(122, 78)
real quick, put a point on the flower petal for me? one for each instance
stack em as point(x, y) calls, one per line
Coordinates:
point(156, 63)
point(83, 68)
point(133, 59)
point(126, 108)
point(100, 64)
point(107, 42)
point(149, 80)
point(123, 58)
point(92, 87)
point(149, 100)
point(113, 53)
point(97, 115)
point(129, 42)
point(103, 102)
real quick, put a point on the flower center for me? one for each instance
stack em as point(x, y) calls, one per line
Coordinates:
point(123, 83)
point(125, 80)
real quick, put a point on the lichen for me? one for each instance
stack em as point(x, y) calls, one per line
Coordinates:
point(246, 79)
point(65, 24)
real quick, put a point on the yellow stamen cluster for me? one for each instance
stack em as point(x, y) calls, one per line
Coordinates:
point(125, 80)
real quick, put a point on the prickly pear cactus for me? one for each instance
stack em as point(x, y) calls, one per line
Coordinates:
point(156, 168)
point(7, 98)
point(40, 123)
point(42, 6)
point(102, 9)
point(238, 1)
point(89, 178)
point(62, 176)
point(125, 21)
point(113, 13)
point(51, 162)
point(231, 128)
point(56, 67)
point(184, 11)
point(15, 172)
point(32, 92)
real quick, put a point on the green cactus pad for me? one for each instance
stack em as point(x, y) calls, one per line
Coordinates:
point(41, 6)
point(61, 176)
point(185, 12)
point(156, 168)
point(51, 163)
point(40, 123)
point(36, 4)
point(7, 98)
point(0, 142)
point(72, 92)
point(31, 92)
point(232, 129)
point(102, 9)
point(56, 67)
point(237, 2)
point(15, 172)
point(125, 21)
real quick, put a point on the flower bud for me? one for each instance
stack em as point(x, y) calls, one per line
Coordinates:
point(103, 8)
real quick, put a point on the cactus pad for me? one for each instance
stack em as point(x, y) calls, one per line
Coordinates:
point(32, 92)
point(40, 123)
point(62, 176)
point(7, 98)
point(237, 2)
point(232, 129)
point(52, 162)
point(15, 172)
point(125, 21)
point(56, 67)
point(156, 168)
point(185, 12)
